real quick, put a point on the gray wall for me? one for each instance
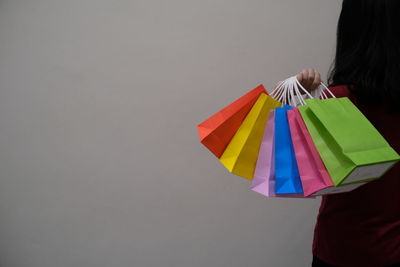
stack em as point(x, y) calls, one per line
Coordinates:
point(100, 164)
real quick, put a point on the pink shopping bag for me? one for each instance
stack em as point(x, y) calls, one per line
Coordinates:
point(264, 175)
point(313, 174)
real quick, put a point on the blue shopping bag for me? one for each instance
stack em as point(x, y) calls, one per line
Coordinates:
point(286, 171)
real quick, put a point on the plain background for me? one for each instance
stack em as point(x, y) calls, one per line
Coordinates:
point(100, 163)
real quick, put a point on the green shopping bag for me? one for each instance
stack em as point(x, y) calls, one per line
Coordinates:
point(352, 150)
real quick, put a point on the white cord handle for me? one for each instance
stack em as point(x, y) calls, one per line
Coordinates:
point(291, 92)
point(325, 88)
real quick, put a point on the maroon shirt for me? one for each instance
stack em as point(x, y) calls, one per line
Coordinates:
point(362, 227)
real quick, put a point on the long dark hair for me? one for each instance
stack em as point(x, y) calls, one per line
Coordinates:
point(368, 50)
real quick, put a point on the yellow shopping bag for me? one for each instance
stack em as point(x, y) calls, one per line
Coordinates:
point(240, 156)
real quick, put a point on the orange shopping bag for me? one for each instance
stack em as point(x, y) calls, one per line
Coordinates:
point(217, 131)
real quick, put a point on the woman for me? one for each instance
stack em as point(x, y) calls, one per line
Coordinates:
point(362, 227)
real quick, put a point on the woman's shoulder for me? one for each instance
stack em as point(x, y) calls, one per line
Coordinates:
point(340, 90)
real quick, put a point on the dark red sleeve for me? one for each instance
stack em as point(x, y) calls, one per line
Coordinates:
point(362, 227)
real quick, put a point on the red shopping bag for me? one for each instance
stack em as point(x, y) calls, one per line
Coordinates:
point(217, 131)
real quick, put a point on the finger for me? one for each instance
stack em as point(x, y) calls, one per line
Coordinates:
point(304, 73)
point(310, 80)
point(300, 77)
point(317, 81)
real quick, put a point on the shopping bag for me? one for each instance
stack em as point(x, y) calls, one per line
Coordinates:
point(217, 131)
point(264, 180)
point(352, 150)
point(264, 175)
point(313, 174)
point(314, 177)
point(241, 154)
point(286, 170)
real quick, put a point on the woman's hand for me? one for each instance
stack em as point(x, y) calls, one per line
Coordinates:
point(310, 79)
